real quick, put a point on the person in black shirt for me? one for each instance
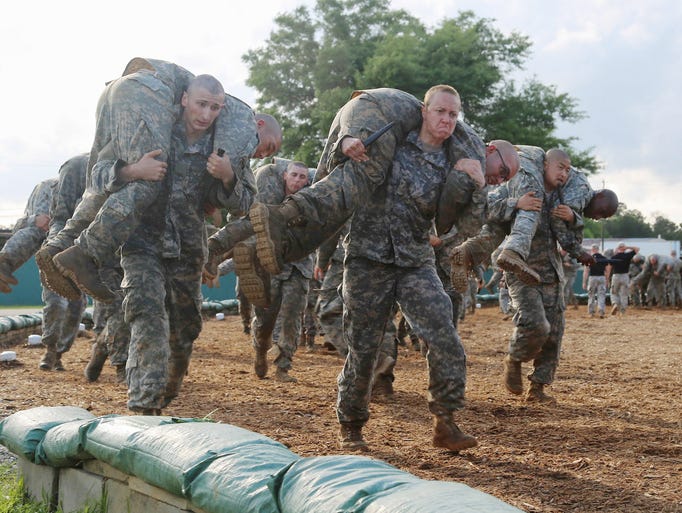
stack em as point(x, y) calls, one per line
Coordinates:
point(595, 280)
point(620, 278)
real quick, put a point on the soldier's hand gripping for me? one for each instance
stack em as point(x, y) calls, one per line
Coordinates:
point(529, 202)
point(220, 167)
point(353, 148)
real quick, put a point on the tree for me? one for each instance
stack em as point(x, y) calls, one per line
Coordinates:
point(311, 63)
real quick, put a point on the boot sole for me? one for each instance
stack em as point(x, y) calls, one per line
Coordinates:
point(520, 269)
point(250, 283)
point(83, 287)
point(53, 279)
point(466, 443)
point(265, 249)
point(459, 273)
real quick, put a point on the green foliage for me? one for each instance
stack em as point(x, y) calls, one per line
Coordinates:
point(14, 500)
point(629, 224)
point(312, 61)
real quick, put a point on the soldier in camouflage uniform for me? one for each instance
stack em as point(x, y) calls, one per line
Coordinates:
point(673, 281)
point(289, 288)
point(539, 315)
point(28, 233)
point(329, 307)
point(48, 208)
point(298, 226)
point(571, 267)
point(636, 289)
point(162, 259)
point(574, 198)
point(134, 119)
point(653, 275)
point(389, 259)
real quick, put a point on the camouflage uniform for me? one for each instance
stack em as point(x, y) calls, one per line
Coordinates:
point(288, 289)
point(450, 240)
point(576, 193)
point(388, 260)
point(571, 267)
point(162, 262)
point(310, 321)
point(655, 276)
point(637, 288)
point(61, 317)
point(26, 236)
point(329, 307)
point(341, 188)
point(135, 115)
point(539, 309)
point(673, 282)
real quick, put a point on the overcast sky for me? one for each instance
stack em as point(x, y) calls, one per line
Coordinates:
point(621, 59)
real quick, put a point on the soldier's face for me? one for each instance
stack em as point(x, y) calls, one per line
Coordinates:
point(295, 179)
point(439, 118)
point(556, 172)
point(201, 109)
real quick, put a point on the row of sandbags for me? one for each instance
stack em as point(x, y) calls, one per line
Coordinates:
point(222, 468)
point(14, 322)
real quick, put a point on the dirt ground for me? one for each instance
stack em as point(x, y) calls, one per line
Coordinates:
point(612, 443)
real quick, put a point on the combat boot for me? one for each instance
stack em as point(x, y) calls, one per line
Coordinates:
point(536, 394)
point(51, 277)
point(350, 436)
point(6, 278)
point(58, 365)
point(282, 375)
point(511, 261)
point(448, 436)
point(270, 223)
point(310, 342)
point(177, 370)
point(460, 262)
point(121, 373)
point(48, 360)
point(76, 265)
point(383, 386)
point(260, 365)
point(512, 376)
point(254, 281)
point(151, 411)
point(98, 356)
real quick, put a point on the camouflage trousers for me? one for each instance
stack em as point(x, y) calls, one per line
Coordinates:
point(370, 291)
point(569, 295)
point(61, 320)
point(620, 290)
point(162, 307)
point(310, 321)
point(655, 291)
point(539, 326)
point(329, 308)
point(504, 300)
point(673, 290)
point(115, 331)
point(22, 245)
point(287, 302)
point(596, 294)
point(245, 306)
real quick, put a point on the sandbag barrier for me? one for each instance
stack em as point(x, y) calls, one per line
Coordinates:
point(139, 463)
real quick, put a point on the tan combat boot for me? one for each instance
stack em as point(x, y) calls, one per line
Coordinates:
point(536, 394)
point(448, 436)
point(350, 437)
point(269, 223)
point(512, 376)
point(76, 265)
point(512, 262)
point(254, 281)
point(52, 278)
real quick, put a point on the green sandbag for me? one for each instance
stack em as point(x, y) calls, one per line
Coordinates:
point(435, 497)
point(22, 431)
point(172, 456)
point(63, 445)
point(105, 437)
point(335, 483)
point(241, 482)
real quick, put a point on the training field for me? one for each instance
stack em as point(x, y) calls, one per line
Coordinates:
point(612, 443)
